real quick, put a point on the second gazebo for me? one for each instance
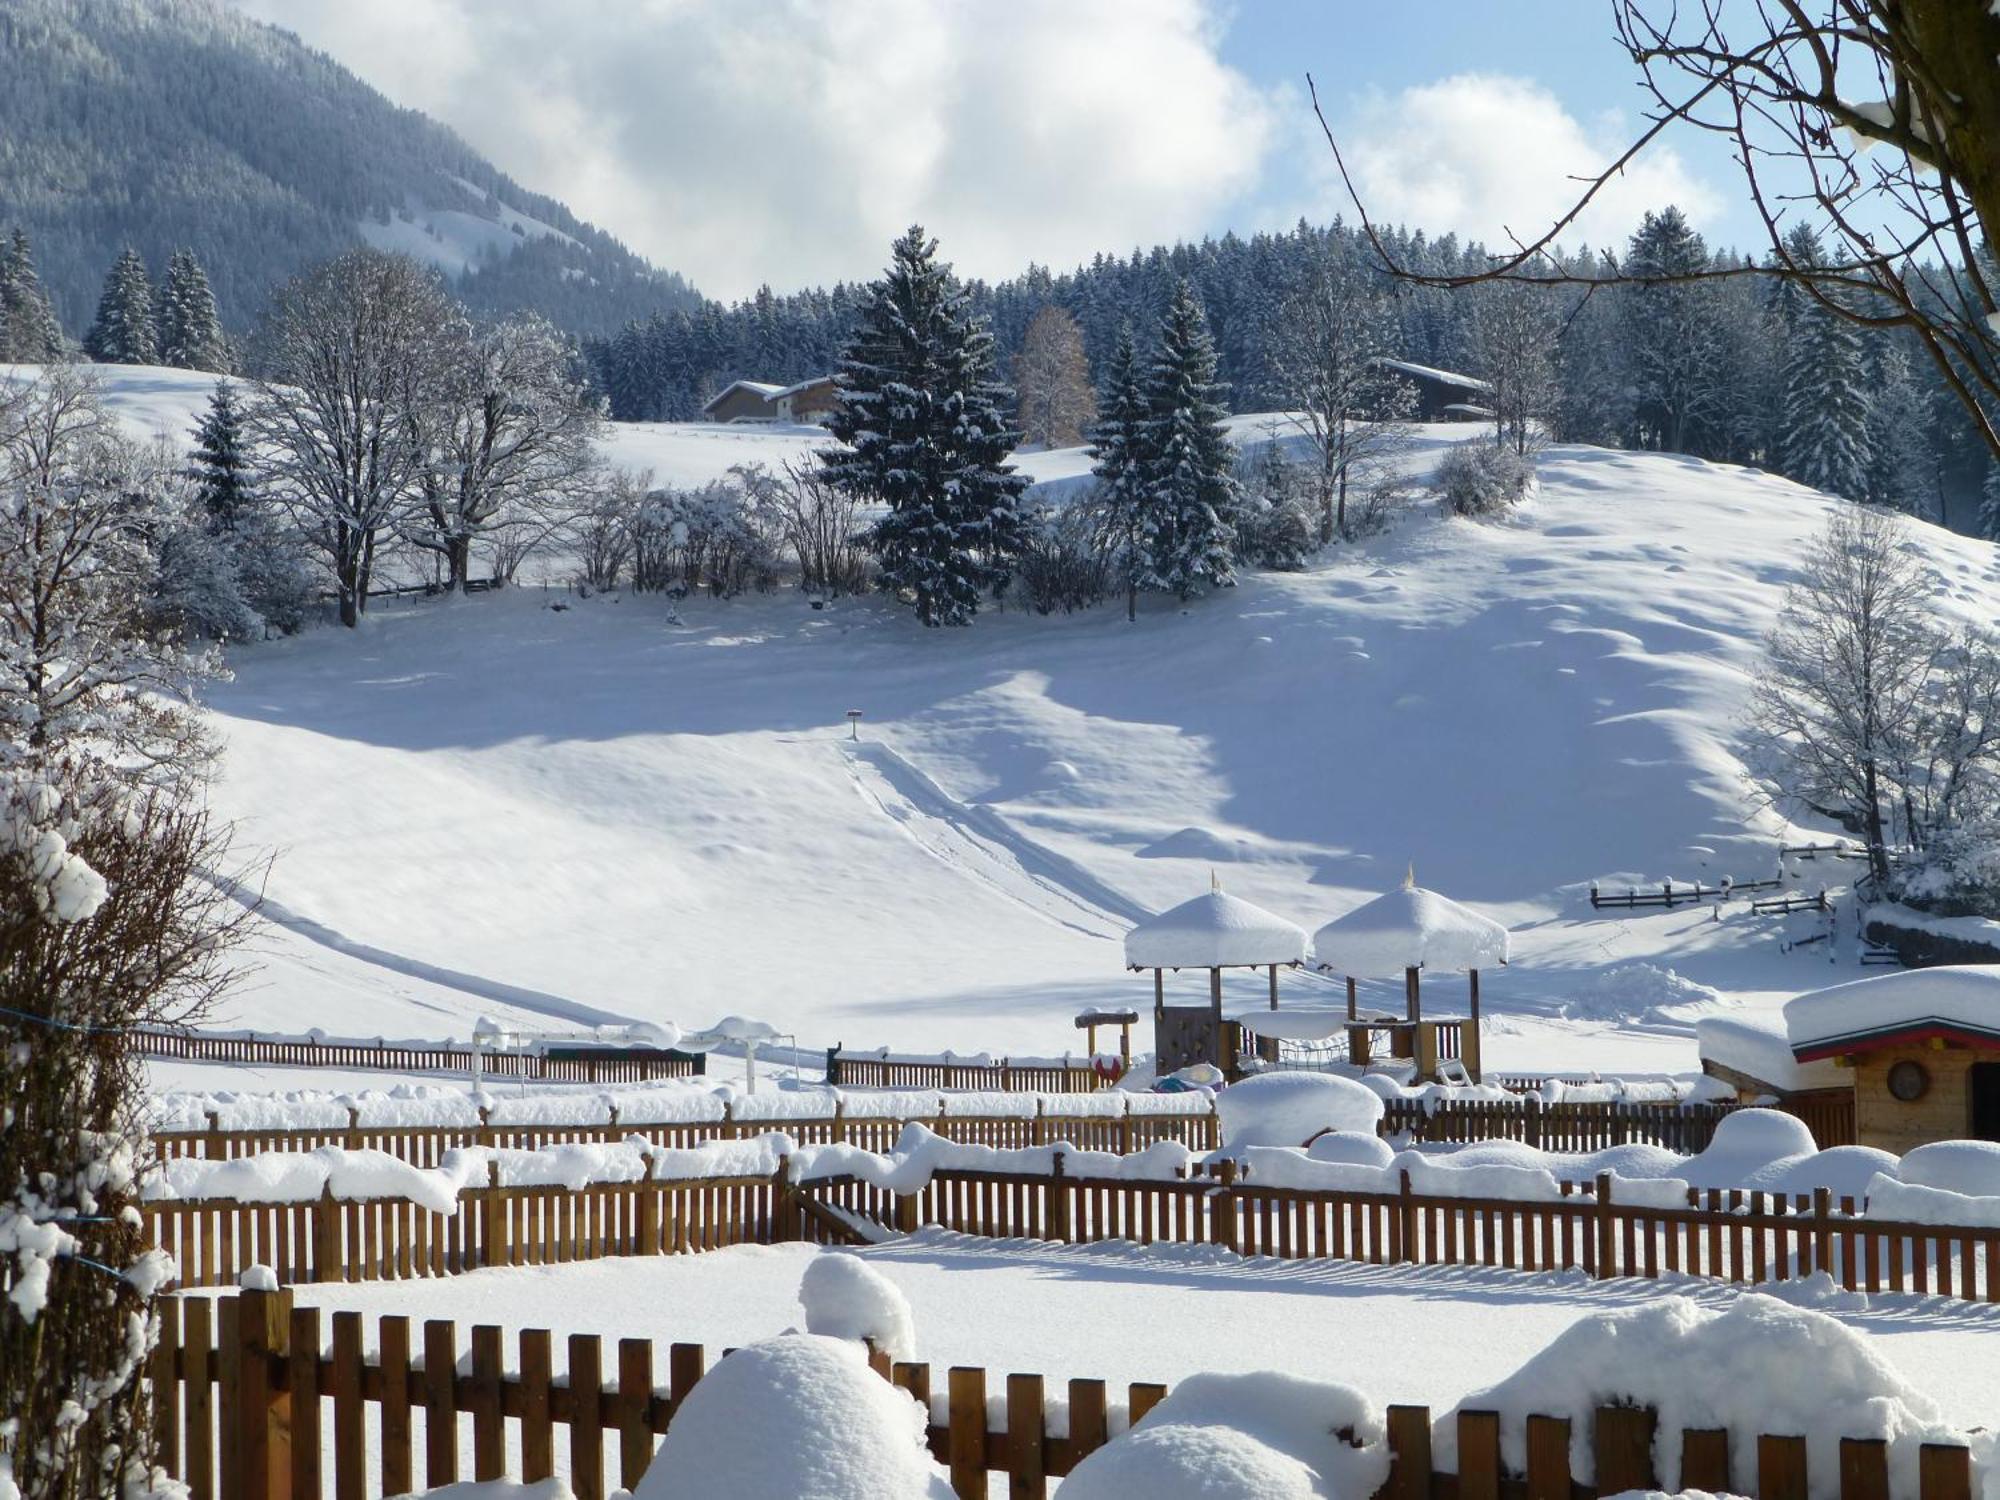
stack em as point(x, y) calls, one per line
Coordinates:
point(1214, 931)
point(1409, 931)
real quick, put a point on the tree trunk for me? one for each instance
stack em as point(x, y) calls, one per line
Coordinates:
point(458, 564)
point(1878, 849)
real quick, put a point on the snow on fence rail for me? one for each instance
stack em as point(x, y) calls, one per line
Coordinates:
point(580, 1064)
point(243, 1389)
point(1595, 1125)
point(1108, 1121)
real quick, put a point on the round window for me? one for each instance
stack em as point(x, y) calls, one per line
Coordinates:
point(1909, 1081)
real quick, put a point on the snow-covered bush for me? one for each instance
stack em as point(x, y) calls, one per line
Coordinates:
point(846, 1298)
point(1956, 875)
point(1276, 524)
point(722, 536)
point(1477, 478)
point(1065, 559)
point(801, 1417)
point(1757, 1366)
point(1263, 1436)
point(1289, 1109)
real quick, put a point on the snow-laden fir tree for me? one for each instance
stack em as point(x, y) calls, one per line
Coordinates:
point(1989, 505)
point(190, 329)
point(1898, 435)
point(231, 545)
point(927, 438)
point(219, 463)
point(1187, 465)
point(123, 333)
point(1117, 446)
point(1823, 433)
point(29, 332)
point(1671, 335)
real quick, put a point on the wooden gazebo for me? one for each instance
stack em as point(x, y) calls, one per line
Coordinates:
point(1412, 930)
point(1214, 931)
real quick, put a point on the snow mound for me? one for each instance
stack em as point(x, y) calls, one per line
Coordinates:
point(1262, 1436)
point(1757, 1366)
point(1747, 1140)
point(1968, 1167)
point(1289, 1109)
point(1639, 992)
point(1214, 930)
point(845, 1298)
point(1410, 928)
point(1353, 1147)
point(1198, 843)
point(795, 1418)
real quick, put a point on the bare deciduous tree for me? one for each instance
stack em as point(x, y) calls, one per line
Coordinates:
point(1326, 346)
point(822, 526)
point(353, 356)
point(1877, 121)
point(1052, 380)
point(600, 525)
point(509, 441)
point(1514, 331)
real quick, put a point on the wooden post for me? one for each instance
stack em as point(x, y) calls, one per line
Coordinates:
point(1409, 1432)
point(1026, 1478)
point(1406, 1248)
point(1353, 1014)
point(1607, 1239)
point(1222, 1206)
point(1468, 1047)
point(495, 1223)
point(1125, 1043)
point(784, 1204)
point(304, 1480)
point(1058, 1199)
point(966, 1442)
point(327, 1263)
point(264, 1410)
point(1412, 997)
point(1426, 1040)
point(1274, 986)
point(440, 1402)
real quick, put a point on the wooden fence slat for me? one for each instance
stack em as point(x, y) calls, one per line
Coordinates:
point(1548, 1458)
point(1088, 1428)
point(1781, 1468)
point(586, 1417)
point(1142, 1397)
point(635, 1391)
point(350, 1437)
point(489, 1432)
point(393, 1341)
point(1026, 1477)
point(305, 1396)
point(967, 1428)
point(197, 1347)
point(1622, 1443)
point(538, 1444)
point(1478, 1455)
point(1410, 1449)
point(1944, 1472)
point(1705, 1460)
point(684, 1370)
point(1864, 1469)
point(440, 1402)
point(166, 1386)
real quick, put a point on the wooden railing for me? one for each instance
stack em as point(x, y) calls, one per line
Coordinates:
point(243, 1393)
point(572, 1065)
point(1741, 1237)
point(1003, 1077)
point(425, 1145)
point(1686, 1128)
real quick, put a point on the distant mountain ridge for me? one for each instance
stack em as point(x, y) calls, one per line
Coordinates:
point(168, 123)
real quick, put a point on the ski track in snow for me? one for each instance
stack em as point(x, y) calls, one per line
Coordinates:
point(981, 844)
point(538, 1001)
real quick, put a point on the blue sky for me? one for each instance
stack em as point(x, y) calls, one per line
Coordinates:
point(787, 141)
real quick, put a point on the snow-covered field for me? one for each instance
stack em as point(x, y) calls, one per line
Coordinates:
point(629, 807)
point(1424, 1335)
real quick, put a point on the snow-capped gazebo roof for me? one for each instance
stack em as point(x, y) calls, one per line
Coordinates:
point(1410, 928)
point(1214, 931)
point(1957, 1003)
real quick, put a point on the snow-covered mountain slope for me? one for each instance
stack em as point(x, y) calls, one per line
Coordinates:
point(655, 809)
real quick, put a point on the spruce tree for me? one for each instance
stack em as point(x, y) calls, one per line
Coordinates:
point(1823, 429)
point(220, 463)
point(1117, 444)
point(123, 331)
point(1188, 465)
point(1989, 505)
point(190, 330)
point(926, 437)
point(1899, 458)
point(29, 332)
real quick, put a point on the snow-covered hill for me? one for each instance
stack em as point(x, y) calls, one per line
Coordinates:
point(652, 809)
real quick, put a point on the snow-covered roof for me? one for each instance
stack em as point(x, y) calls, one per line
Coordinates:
point(1427, 372)
point(1214, 931)
point(1959, 1002)
point(1467, 409)
point(755, 387)
point(1294, 1023)
point(803, 385)
point(1756, 1046)
point(1411, 928)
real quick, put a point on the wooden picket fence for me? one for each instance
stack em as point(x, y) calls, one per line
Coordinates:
point(1596, 1125)
point(214, 1241)
point(425, 1145)
point(1003, 1077)
point(578, 1064)
point(249, 1404)
point(1741, 1237)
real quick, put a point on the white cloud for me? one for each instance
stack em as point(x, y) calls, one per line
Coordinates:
point(788, 141)
point(1487, 156)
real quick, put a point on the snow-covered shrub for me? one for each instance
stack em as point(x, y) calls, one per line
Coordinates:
point(846, 1298)
point(1262, 1436)
point(1757, 1366)
point(1065, 561)
point(1956, 875)
point(1478, 478)
point(801, 1417)
point(1276, 524)
point(197, 592)
point(721, 536)
point(1289, 1109)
